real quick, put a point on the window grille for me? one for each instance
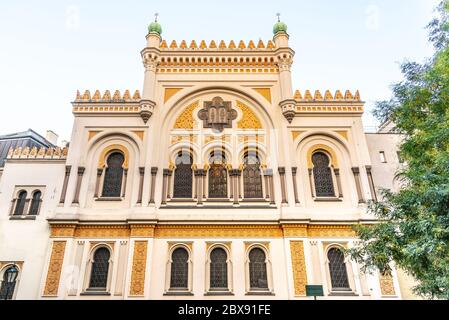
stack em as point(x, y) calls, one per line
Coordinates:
point(183, 176)
point(100, 269)
point(112, 185)
point(218, 269)
point(324, 186)
point(252, 179)
point(179, 269)
point(257, 270)
point(337, 269)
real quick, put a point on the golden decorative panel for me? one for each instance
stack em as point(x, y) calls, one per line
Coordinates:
point(93, 134)
point(254, 138)
point(142, 231)
point(169, 92)
point(294, 230)
point(249, 119)
point(189, 138)
point(298, 267)
point(343, 133)
point(54, 268)
point(108, 231)
point(223, 138)
point(330, 231)
point(265, 92)
point(386, 285)
point(113, 147)
point(248, 244)
point(296, 134)
point(227, 245)
point(62, 230)
point(140, 134)
point(326, 148)
point(185, 120)
point(218, 231)
point(137, 287)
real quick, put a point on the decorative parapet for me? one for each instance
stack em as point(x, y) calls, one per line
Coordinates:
point(28, 153)
point(216, 57)
point(116, 103)
point(348, 103)
point(222, 46)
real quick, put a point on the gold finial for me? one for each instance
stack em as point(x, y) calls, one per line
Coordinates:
point(155, 16)
point(279, 16)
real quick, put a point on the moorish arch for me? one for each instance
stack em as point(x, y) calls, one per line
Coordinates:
point(182, 124)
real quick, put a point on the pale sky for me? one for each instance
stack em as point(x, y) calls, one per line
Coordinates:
point(49, 49)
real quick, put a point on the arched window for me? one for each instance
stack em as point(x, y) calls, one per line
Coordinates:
point(20, 204)
point(324, 186)
point(6, 288)
point(218, 174)
point(337, 269)
point(218, 269)
point(35, 203)
point(252, 179)
point(100, 269)
point(179, 274)
point(112, 184)
point(183, 176)
point(257, 270)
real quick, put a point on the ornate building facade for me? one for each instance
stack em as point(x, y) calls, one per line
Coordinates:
point(217, 181)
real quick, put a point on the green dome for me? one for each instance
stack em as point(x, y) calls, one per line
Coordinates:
point(279, 27)
point(155, 27)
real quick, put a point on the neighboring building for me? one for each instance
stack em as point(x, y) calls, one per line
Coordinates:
point(219, 181)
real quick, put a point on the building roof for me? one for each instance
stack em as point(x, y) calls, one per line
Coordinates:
point(31, 134)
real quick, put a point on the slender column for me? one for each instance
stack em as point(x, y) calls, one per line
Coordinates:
point(26, 207)
point(164, 186)
point(267, 188)
point(78, 185)
point(312, 190)
point(231, 177)
point(295, 188)
point(371, 183)
point(239, 182)
point(97, 182)
point(234, 174)
point(199, 174)
point(337, 176)
point(64, 185)
point(125, 179)
point(141, 173)
point(203, 178)
point(356, 172)
point(153, 182)
point(169, 192)
point(281, 171)
point(269, 174)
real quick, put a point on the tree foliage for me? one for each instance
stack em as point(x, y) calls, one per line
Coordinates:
point(413, 228)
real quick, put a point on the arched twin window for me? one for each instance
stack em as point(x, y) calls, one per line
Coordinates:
point(98, 280)
point(218, 174)
point(179, 272)
point(252, 178)
point(258, 279)
point(337, 270)
point(219, 269)
point(21, 207)
point(322, 174)
point(113, 178)
point(183, 175)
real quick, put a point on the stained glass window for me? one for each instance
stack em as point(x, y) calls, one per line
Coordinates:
point(100, 269)
point(7, 289)
point(218, 269)
point(252, 179)
point(20, 204)
point(337, 269)
point(179, 269)
point(218, 174)
point(35, 202)
point(183, 176)
point(112, 185)
point(257, 270)
point(322, 174)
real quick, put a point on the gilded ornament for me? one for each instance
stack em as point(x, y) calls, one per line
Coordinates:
point(299, 267)
point(54, 268)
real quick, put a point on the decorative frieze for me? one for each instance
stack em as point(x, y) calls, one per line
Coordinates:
point(298, 267)
point(137, 287)
point(54, 268)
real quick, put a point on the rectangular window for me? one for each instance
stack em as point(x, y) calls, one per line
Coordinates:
point(382, 157)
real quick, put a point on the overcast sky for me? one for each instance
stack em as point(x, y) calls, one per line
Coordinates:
point(49, 49)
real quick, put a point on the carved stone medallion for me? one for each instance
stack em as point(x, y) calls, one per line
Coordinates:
point(217, 114)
